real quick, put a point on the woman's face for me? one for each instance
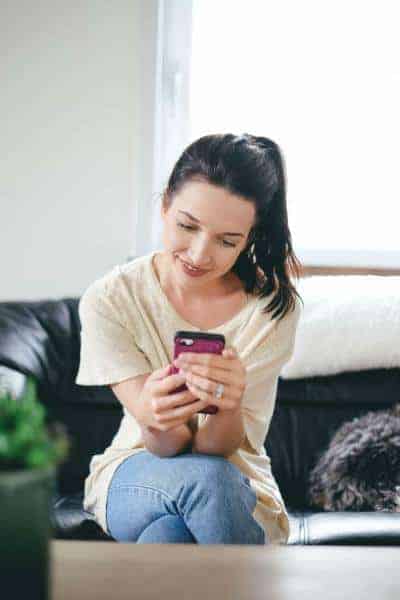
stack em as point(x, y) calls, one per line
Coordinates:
point(215, 235)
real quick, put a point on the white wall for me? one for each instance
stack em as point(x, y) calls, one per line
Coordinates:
point(77, 83)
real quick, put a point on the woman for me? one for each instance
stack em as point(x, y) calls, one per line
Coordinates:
point(172, 473)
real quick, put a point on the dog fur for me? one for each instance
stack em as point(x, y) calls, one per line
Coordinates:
point(360, 470)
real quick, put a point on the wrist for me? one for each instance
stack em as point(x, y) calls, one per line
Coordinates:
point(167, 443)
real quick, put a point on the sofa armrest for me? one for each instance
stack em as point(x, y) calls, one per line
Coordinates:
point(365, 528)
point(12, 381)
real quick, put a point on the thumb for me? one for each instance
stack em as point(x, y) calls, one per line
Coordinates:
point(163, 372)
point(229, 352)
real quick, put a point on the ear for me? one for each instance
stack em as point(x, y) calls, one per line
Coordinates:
point(163, 210)
point(164, 205)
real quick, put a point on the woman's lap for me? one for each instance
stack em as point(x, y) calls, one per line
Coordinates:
point(190, 496)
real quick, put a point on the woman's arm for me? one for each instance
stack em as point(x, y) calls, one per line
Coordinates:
point(221, 434)
point(161, 443)
point(167, 443)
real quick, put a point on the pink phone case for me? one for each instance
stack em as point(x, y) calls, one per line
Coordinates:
point(197, 341)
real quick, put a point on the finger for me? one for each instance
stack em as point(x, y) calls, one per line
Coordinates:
point(183, 411)
point(223, 403)
point(161, 373)
point(227, 400)
point(168, 384)
point(202, 383)
point(203, 358)
point(212, 374)
point(229, 352)
point(232, 354)
point(164, 403)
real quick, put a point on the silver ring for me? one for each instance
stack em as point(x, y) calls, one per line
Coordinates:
point(219, 391)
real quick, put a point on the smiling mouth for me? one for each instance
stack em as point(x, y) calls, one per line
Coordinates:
point(194, 269)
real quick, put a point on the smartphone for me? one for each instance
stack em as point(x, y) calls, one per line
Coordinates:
point(197, 341)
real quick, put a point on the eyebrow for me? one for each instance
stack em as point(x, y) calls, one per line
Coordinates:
point(197, 221)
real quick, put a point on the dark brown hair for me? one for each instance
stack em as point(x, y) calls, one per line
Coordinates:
point(253, 168)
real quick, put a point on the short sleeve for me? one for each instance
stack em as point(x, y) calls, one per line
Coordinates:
point(263, 367)
point(109, 352)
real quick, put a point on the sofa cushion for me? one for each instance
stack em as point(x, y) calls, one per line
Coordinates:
point(348, 323)
point(70, 521)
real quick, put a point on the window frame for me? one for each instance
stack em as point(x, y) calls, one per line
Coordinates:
point(170, 117)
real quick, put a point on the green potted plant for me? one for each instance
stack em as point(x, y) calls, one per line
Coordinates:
point(29, 454)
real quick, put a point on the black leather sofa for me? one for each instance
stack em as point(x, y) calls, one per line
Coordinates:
point(42, 339)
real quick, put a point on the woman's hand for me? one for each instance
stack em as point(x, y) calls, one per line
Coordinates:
point(160, 408)
point(205, 370)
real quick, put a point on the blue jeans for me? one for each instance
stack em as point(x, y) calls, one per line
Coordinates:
point(185, 499)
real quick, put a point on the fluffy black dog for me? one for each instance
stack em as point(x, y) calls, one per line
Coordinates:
point(360, 470)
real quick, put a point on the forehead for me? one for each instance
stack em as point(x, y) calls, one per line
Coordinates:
point(209, 203)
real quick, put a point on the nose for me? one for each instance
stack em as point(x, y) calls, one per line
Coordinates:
point(200, 253)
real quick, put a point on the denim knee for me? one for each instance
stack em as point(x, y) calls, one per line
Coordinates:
point(211, 495)
point(217, 473)
point(218, 503)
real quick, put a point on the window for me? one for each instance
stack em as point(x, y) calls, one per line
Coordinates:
point(322, 80)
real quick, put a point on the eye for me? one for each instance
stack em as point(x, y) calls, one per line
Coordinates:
point(185, 226)
point(224, 242)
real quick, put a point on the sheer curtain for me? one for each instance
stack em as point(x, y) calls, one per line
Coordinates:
point(322, 80)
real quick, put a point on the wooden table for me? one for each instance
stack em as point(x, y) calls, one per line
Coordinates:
point(119, 571)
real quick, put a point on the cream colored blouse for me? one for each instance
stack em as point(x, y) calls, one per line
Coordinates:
point(127, 329)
